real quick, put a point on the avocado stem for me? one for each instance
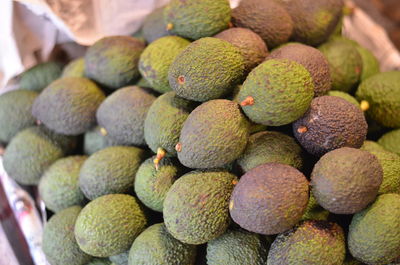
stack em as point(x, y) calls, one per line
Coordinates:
point(103, 131)
point(181, 79)
point(302, 129)
point(247, 101)
point(234, 182)
point(170, 26)
point(178, 147)
point(364, 105)
point(160, 155)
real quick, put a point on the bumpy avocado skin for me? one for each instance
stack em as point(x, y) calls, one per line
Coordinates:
point(68, 105)
point(40, 76)
point(98, 261)
point(312, 243)
point(266, 18)
point(94, 141)
point(314, 211)
point(237, 247)
point(156, 246)
point(282, 91)
point(109, 224)
point(374, 233)
point(207, 69)
point(370, 63)
point(111, 170)
point(312, 59)
point(391, 141)
point(156, 59)
point(122, 114)
point(268, 146)
point(75, 68)
point(59, 185)
point(269, 199)
point(330, 123)
point(154, 27)
point(196, 206)
point(59, 244)
point(346, 180)
point(32, 151)
point(113, 61)
point(371, 146)
point(345, 96)
point(382, 92)
point(15, 113)
point(195, 19)
point(120, 259)
point(213, 135)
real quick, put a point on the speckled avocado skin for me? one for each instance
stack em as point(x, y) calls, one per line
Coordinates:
point(371, 146)
point(156, 246)
point(312, 243)
point(330, 123)
point(213, 135)
point(391, 141)
point(154, 26)
point(269, 199)
point(196, 206)
point(76, 68)
point(40, 76)
point(314, 211)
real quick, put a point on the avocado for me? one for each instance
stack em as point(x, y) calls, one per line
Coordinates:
point(371, 146)
point(120, 259)
point(154, 27)
point(68, 105)
point(94, 141)
point(312, 243)
point(268, 146)
point(195, 19)
point(267, 18)
point(374, 233)
point(59, 244)
point(109, 224)
point(314, 211)
point(196, 206)
point(122, 114)
point(391, 141)
point(346, 180)
point(370, 63)
point(113, 61)
point(269, 199)
point(237, 247)
point(277, 92)
point(330, 123)
point(345, 96)
point(156, 246)
point(40, 76)
point(312, 59)
point(15, 113)
point(98, 261)
point(110, 170)
point(382, 92)
point(143, 83)
point(32, 151)
point(224, 132)
point(75, 68)
point(59, 185)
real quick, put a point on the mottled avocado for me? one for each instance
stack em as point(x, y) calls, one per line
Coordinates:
point(68, 105)
point(154, 26)
point(345, 96)
point(374, 233)
point(312, 243)
point(314, 211)
point(330, 123)
point(196, 206)
point(40, 76)
point(156, 246)
point(113, 61)
point(75, 68)
point(122, 114)
point(16, 113)
point(391, 141)
point(269, 199)
point(94, 141)
point(213, 135)
point(277, 92)
point(370, 63)
point(371, 146)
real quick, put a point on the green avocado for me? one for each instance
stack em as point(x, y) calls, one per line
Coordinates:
point(94, 141)
point(40, 76)
point(370, 63)
point(314, 211)
point(345, 96)
point(391, 141)
point(98, 261)
point(75, 68)
point(120, 259)
point(154, 26)
point(371, 146)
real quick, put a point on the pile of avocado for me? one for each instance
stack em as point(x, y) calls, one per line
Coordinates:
point(248, 136)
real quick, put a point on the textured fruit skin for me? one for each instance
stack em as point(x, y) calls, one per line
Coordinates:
point(268, 146)
point(370, 63)
point(331, 123)
point(345, 64)
point(76, 68)
point(40, 76)
point(312, 243)
point(68, 105)
point(345, 96)
point(391, 141)
point(282, 92)
point(382, 93)
point(156, 59)
point(156, 246)
point(15, 113)
point(98, 261)
point(213, 135)
point(164, 122)
point(59, 244)
point(94, 141)
point(59, 185)
point(111, 170)
point(196, 206)
point(374, 233)
point(32, 151)
point(371, 146)
point(154, 27)
point(312, 59)
point(207, 69)
point(314, 211)
point(112, 61)
point(237, 247)
point(109, 224)
point(120, 259)
point(266, 18)
point(269, 199)
point(194, 19)
point(123, 113)
point(346, 180)
point(151, 185)
point(250, 44)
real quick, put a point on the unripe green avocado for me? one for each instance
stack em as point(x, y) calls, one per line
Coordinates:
point(370, 63)
point(154, 26)
point(40, 76)
point(391, 141)
point(345, 96)
point(98, 261)
point(314, 211)
point(75, 68)
point(371, 146)
point(94, 141)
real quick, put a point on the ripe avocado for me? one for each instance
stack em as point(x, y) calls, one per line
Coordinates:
point(94, 141)
point(391, 141)
point(40, 76)
point(75, 68)
point(154, 27)
point(345, 96)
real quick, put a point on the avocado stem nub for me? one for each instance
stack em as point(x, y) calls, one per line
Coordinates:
point(170, 26)
point(160, 155)
point(364, 105)
point(178, 147)
point(302, 129)
point(234, 182)
point(103, 131)
point(247, 101)
point(181, 79)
